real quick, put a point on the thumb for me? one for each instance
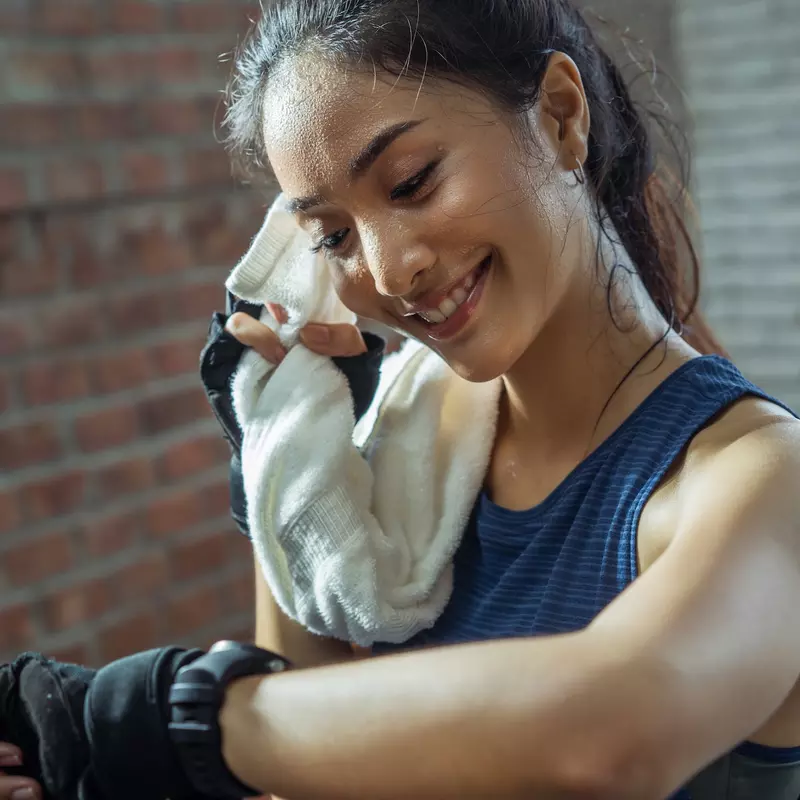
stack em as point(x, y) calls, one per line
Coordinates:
point(336, 340)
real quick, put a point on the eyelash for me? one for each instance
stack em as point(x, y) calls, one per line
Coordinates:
point(408, 190)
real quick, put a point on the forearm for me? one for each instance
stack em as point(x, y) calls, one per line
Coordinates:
point(508, 719)
point(276, 632)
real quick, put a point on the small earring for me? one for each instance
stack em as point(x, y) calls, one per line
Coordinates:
point(580, 176)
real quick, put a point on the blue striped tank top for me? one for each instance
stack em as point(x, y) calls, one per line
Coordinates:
point(553, 568)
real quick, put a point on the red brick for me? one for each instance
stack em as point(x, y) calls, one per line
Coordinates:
point(197, 609)
point(10, 513)
point(210, 166)
point(69, 180)
point(136, 16)
point(47, 383)
point(24, 125)
point(145, 173)
point(136, 633)
point(120, 70)
point(29, 276)
point(75, 605)
point(110, 535)
point(177, 65)
point(209, 17)
point(239, 591)
point(15, 17)
point(151, 250)
point(46, 72)
point(173, 117)
point(99, 122)
point(127, 477)
point(197, 301)
point(184, 459)
point(159, 414)
point(13, 188)
point(15, 334)
point(74, 234)
point(16, 628)
point(69, 323)
point(118, 371)
point(5, 393)
point(136, 312)
point(217, 499)
point(175, 513)
point(178, 357)
point(217, 239)
point(102, 430)
point(25, 445)
point(38, 559)
point(57, 18)
point(142, 579)
point(53, 497)
point(199, 556)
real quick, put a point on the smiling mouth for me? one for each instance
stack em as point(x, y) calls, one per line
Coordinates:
point(456, 297)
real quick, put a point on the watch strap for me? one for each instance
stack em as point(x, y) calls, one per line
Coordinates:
point(195, 700)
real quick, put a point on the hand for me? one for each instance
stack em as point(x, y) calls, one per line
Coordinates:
point(336, 341)
point(77, 729)
point(41, 719)
point(15, 787)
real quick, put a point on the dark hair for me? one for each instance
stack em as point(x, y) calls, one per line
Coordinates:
point(502, 48)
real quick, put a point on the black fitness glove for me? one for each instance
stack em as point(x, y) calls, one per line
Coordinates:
point(218, 363)
point(96, 735)
point(41, 711)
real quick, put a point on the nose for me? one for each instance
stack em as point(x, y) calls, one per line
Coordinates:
point(397, 261)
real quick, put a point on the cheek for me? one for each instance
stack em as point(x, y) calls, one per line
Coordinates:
point(356, 289)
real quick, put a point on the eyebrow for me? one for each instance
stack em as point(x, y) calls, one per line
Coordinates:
point(362, 163)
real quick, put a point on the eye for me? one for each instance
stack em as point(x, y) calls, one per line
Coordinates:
point(331, 242)
point(410, 189)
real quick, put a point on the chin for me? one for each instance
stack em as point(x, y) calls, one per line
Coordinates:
point(475, 371)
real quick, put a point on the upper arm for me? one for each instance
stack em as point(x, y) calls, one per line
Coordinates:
point(276, 632)
point(714, 622)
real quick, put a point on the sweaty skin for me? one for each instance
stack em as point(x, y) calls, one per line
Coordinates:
point(699, 653)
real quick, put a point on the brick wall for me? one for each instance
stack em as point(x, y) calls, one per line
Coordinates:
point(118, 222)
point(742, 65)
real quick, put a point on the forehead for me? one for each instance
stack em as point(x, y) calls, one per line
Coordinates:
point(319, 115)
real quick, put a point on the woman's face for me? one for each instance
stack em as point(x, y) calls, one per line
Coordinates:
point(436, 218)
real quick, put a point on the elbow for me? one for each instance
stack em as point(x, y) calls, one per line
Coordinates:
point(614, 770)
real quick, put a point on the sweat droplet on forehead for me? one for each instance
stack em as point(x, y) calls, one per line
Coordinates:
point(318, 115)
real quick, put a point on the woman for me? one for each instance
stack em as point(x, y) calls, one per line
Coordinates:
point(479, 179)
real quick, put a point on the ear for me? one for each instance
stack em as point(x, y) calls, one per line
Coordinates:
point(564, 112)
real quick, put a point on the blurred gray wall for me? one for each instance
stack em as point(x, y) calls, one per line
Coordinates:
point(741, 60)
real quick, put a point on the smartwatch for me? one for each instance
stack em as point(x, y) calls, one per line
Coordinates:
point(195, 700)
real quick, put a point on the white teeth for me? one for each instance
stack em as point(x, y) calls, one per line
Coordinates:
point(433, 316)
point(459, 295)
point(451, 304)
point(448, 307)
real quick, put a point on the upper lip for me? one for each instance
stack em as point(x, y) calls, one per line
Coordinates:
point(432, 300)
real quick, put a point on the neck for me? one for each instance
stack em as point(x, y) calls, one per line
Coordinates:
point(557, 394)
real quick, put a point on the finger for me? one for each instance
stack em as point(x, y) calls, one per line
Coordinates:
point(279, 312)
point(340, 340)
point(252, 333)
point(10, 755)
point(19, 789)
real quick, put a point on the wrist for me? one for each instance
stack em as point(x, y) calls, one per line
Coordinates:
point(245, 751)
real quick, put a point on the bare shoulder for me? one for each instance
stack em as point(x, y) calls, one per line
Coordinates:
point(745, 463)
point(749, 454)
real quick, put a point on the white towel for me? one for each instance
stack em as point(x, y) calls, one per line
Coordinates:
point(355, 529)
